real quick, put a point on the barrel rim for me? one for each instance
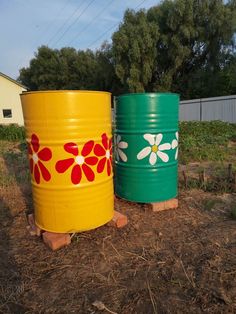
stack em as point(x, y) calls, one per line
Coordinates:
point(148, 94)
point(66, 91)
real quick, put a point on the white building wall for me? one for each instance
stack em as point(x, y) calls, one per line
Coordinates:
point(10, 99)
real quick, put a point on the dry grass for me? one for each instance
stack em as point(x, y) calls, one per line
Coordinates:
point(176, 261)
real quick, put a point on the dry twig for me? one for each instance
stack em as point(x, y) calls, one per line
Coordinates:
point(101, 306)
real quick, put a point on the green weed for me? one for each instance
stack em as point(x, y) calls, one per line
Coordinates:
point(12, 133)
point(209, 204)
point(201, 141)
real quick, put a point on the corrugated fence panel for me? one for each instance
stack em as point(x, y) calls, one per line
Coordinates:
point(220, 108)
point(208, 109)
point(189, 110)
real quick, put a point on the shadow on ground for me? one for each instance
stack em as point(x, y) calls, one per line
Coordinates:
point(10, 278)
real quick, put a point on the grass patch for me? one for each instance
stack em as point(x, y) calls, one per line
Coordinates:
point(213, 177)
point(209, 204)
point(201, 141)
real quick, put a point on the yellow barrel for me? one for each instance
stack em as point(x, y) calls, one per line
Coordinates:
point(69, 144)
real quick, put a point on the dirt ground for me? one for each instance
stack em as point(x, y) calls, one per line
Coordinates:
point(175, 261)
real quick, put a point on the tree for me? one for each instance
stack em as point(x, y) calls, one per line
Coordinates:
point(44, 72)
point(174, 44)
point(106, 77)
point(193, 36)
point(60, 69)
point(134, 51)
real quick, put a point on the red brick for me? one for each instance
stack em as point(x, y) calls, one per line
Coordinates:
point(56, 241)
point(170, 204)
point(119, 220)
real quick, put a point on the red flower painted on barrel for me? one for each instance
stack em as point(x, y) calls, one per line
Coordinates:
point(105, 151)
point(37, 157)
point(81, 162)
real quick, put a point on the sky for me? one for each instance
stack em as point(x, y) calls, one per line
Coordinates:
point(26, 25)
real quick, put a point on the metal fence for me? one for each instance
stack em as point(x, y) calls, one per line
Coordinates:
point(208, 109)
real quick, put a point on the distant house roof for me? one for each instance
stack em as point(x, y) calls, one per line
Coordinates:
point(12, 80)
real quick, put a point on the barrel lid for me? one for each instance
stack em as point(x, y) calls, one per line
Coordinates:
point(74, 91)
point(149, 94)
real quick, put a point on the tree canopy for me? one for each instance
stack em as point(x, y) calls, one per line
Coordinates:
point(184, 46)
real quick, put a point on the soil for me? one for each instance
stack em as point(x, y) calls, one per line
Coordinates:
point(174, 261)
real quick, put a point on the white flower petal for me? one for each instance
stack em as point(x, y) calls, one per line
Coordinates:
point(150, 138)
point(118, 138)
point(174, 144)
point(122, 145)
point(122, 155)
point(177, 135)
point(116, 155)
point(176, 153)
point(153, 158)
point(158, 139)
point(144, 152)
point(164, 157)
point(165, 146)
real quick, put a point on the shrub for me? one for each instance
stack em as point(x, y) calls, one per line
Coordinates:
point(12, 132)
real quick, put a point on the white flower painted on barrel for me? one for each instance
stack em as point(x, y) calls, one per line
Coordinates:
point(175, 144)
point(119, 145)
point(155, 149)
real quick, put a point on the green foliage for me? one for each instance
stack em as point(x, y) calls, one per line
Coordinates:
point(53, 69)
point(177, 45)
point(205, 140)
point(134, 49)
point(60, 69)
point(106, 78)
point(12, 132)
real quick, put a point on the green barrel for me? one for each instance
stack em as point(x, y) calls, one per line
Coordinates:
point(146, 146)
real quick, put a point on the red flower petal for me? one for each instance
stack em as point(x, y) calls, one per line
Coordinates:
point(88, 172)
point(45, 154)
point(63, 165)
point(71, 148)
point(35, 142)
point(31, 165)
point(87, 148)
point(108, 167)
point(91, 160)
point(105, 140)
point(99, 150)
point(76, 174)
point(45, 173)
point(29, 149)
point(101, 165)
point(36, 174)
